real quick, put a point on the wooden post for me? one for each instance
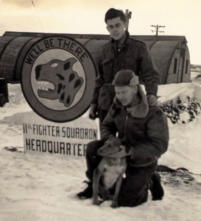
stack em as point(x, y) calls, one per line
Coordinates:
point(128, 16)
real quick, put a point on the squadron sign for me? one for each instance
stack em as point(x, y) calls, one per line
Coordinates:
point(58, 78)
point(69, 138)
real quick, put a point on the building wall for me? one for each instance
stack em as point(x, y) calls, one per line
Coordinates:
point(179, 69)
point(174, 67)
point(187, 71)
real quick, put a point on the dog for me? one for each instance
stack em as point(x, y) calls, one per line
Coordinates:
point(108, 176)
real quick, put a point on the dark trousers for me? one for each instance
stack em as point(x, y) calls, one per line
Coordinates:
point(134, 189)
point(92, 158)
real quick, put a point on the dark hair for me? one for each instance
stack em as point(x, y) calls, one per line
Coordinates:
point(114, 13)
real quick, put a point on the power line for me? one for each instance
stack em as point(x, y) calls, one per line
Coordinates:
point(157, 27)
point(35, 11)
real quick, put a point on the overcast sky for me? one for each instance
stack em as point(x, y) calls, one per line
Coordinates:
point(181, 17)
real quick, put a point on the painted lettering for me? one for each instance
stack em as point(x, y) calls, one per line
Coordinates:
point(75, 149)
point(49, 43)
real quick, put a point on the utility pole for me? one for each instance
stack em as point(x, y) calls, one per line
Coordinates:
point(157, 29)
point(32, 2)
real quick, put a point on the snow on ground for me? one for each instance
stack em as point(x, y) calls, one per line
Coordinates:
point(42, 187)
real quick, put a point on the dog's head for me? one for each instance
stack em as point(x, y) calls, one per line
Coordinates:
point(63, 81)
point(113, 148)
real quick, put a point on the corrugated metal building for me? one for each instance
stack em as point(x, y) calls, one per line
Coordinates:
point(170, 53)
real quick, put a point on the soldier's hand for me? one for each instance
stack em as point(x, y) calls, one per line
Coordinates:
point(132, 155)
point(152, 100)
point(113, 141)
point(93, 111)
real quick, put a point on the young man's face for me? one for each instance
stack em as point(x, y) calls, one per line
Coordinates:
point(116, 27)
point(125, 94)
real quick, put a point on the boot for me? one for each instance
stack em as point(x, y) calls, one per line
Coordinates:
point(87, 192)
point(156, 187)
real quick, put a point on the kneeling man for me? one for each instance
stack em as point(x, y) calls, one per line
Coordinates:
point(143, 129)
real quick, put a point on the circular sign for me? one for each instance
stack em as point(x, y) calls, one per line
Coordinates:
point(58, 78)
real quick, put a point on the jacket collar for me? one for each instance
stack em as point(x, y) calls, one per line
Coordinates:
point(114, 42)
point(140, 110)
point(127, 36)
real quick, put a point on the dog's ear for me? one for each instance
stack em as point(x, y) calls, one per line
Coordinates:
point(124, 150)
point(101, 150)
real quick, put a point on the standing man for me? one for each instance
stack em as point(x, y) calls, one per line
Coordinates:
point(121, 52)
point(143, 129)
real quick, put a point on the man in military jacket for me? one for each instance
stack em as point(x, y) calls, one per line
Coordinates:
point(121, 52)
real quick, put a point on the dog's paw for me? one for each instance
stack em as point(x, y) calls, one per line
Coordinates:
point(114, 204)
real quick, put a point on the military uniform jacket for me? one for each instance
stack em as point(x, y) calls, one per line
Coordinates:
point(133, 55)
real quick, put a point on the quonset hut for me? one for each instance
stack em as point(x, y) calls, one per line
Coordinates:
point(170, 53)
point(171, 56)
